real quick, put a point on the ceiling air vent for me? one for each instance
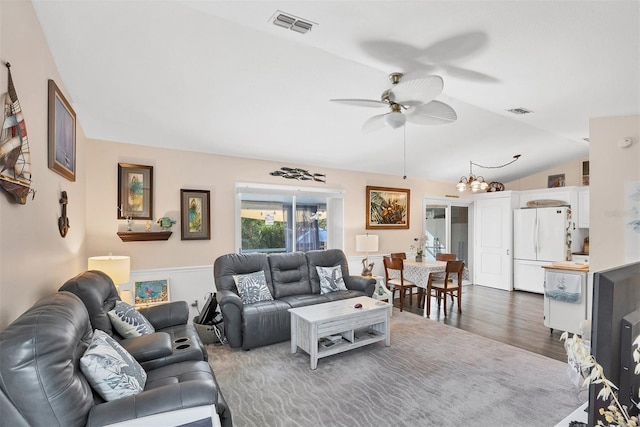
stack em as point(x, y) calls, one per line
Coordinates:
point(292, 22)
point(519, 111)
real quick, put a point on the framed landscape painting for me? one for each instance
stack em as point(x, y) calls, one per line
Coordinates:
point(387, 208)
point(195, 215)
point(135, 191)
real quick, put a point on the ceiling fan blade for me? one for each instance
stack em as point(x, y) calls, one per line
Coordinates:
point(417, 91)
point(362, 102)
point(374, 123)
point(432, 113)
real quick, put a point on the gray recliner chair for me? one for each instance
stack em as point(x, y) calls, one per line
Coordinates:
point(41, 383)
point(174, 340)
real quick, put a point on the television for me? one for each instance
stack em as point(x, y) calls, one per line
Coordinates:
point(615, 324)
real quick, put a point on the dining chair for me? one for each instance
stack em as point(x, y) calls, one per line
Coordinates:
point(401, 284)
point(440, 288)
point(403, 255)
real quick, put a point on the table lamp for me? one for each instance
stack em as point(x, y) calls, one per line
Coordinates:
point(115, 266)
point(366, 243)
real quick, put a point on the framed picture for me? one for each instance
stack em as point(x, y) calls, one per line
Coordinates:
point(554, 181)
point(387, 208)
point(148, 292)
point(195, 217)
point(62, 134)
point(135, 191)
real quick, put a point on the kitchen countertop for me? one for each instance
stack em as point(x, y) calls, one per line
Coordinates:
point(568, 265)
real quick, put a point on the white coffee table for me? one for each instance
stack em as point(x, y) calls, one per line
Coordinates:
point(357, 326)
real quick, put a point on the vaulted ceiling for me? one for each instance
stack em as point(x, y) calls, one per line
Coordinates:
point(220, 77)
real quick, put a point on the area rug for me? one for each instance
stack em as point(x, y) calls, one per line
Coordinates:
point(431, 375)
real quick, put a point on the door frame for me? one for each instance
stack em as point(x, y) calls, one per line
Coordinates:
point(448, 202)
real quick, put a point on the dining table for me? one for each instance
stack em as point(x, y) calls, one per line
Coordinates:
point(418, 273)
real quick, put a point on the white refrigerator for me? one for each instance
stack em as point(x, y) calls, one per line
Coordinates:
point(541, 236)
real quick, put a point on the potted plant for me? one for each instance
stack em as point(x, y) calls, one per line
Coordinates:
point(418, 246)
point(581, 361)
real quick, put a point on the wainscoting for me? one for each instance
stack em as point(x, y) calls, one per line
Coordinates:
point(185, 284)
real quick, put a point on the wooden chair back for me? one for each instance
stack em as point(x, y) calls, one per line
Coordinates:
point(454, 267)
point(392, 264)
point(401, 255)
point(445, 257)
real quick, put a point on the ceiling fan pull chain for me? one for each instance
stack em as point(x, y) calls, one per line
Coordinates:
point(404, 152)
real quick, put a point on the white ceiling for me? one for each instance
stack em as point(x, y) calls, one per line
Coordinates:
point(218, 77)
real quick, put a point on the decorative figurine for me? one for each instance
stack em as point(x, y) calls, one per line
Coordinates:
point(63, 221)
point(165, 222)
point(147, 226)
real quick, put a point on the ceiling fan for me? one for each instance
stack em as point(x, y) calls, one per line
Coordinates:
point(409, 101)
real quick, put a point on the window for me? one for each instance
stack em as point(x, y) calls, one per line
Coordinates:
point(288, 219)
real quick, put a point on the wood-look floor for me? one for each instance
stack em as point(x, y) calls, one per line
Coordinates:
point(515, 318)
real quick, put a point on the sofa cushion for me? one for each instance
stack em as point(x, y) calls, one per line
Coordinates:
point(111, 371)
point(331, 279)
point(290, 274)
point(325, 258)
point(128, 321)
point(252, 287)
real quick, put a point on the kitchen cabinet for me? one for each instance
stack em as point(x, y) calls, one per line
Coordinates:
point(566, 296)
point(583, 208)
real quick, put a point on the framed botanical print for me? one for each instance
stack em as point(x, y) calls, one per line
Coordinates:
point(195, 217)
point(61, 134)
point(387, 208)
point(135, 191)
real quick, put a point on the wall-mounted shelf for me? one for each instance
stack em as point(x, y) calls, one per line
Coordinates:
point(143, 236)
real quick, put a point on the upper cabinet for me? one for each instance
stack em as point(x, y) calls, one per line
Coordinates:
point(583, 208)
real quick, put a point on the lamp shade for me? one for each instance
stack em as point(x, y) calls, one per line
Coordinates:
point(116, 267)
point(366, 243)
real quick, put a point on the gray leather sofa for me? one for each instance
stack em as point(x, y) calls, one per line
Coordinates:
point(41, 383)
point(174, 339)
point(293, 281)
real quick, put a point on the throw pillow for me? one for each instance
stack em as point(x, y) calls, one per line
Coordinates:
point(331, 279)
point(252, 287)
point(128, 321)
point(110, 369)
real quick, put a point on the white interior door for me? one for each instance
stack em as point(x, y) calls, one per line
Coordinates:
point(493, 243)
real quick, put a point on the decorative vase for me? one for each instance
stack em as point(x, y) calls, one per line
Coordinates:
point(418, 258)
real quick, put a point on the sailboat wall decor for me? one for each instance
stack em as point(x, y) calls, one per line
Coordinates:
point(15, 157)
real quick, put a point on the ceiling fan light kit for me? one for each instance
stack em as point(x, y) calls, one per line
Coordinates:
point(395, 119)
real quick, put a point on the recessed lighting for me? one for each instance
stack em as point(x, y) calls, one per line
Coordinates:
point(520, 111)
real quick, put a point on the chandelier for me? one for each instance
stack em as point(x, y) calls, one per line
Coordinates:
point(475, 183)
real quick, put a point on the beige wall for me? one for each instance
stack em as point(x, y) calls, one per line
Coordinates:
point(572, 172)
point(175, 170)
point(34, 258)
point(611, 168)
